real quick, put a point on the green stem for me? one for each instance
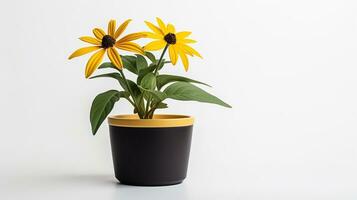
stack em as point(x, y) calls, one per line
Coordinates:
point(160, 60)
point(147, 111)
point(147, 108)
point(152, 110)
point(131, 92)
point(131, 102)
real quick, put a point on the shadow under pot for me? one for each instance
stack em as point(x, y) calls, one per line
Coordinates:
point(150, 152)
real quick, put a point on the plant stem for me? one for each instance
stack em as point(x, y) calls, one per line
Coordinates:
point(127, 84)
point(147, 108)
point(147, 111)
point(131, 102)
point(152, 110)
point(130, 91)
point(162, 55)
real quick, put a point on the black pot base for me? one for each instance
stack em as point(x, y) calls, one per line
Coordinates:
point(150, 156)
point(151, 185)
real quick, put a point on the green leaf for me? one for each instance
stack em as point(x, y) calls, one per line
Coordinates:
point(145, 71)
point(149, 69)
point(107, 65)
point(110, 75)
point(149, 81)
point(159, 96)
point(161, 105)
point(124, 94)
point(165, 79)
point(141, 105)
point(114, 75)
point(102, 105)
point(129, 63)
point(150, 56)
point(163, 62)
point(187, 92)
point(138, 95)
point(135, 89)
point(141, 62)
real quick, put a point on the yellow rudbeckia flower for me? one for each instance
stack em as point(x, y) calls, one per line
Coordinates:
point(165, 36)
point(105, 43)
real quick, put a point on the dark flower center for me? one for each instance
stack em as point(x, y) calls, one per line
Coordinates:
point(108, 41)
point(170, 38)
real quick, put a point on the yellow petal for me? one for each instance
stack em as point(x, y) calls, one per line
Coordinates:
point(187, 52)
point(111, 27)
point(184, 60)
point(182, 35)
point(191, 50)
point(173, 54)
point(153, 35)
point(187, 41)
point(91, 40)
point(99, 33)
point(130, 46)
point(161, 25)
point(121, 28)
point(93, 62)
point(171, 28)
point(155, 45)
point(115, 58)
point(82, 51)
point(154, 28)
point(132, 36)
point(180, 47)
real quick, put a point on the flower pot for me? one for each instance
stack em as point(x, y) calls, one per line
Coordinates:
point(150, 152)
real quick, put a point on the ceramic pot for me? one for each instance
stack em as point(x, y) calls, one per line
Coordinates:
point(150, 152)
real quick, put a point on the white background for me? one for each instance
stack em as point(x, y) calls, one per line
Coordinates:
point(288, 68)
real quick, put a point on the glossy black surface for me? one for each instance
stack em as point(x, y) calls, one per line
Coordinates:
point(150, 156)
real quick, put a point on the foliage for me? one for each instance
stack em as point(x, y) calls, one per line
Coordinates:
point(148, 92)
point(150, 89)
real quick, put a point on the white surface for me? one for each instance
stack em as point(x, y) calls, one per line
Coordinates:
point(288, 68)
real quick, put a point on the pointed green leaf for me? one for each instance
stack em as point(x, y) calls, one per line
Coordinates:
point(102, 105)
point(149, 81)
point(141, 62)
point(187, 92)
point(145, 71)
point(149, 69)
point(150, 56)
point(135, 89)
point(114, 75)
point(163, 62)
point(141, 105)
point(109, 75)
point(161, 105)
point(106, 65)
point(129, 63)
point(138, 95)
point(159, 96)
point(164, 79)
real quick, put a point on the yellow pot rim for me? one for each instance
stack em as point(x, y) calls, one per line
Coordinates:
point(159, 121)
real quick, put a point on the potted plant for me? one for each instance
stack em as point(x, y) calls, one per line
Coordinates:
point(147, 148)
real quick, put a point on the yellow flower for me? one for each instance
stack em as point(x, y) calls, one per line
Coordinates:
point(105, 43)
point(164, 35)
